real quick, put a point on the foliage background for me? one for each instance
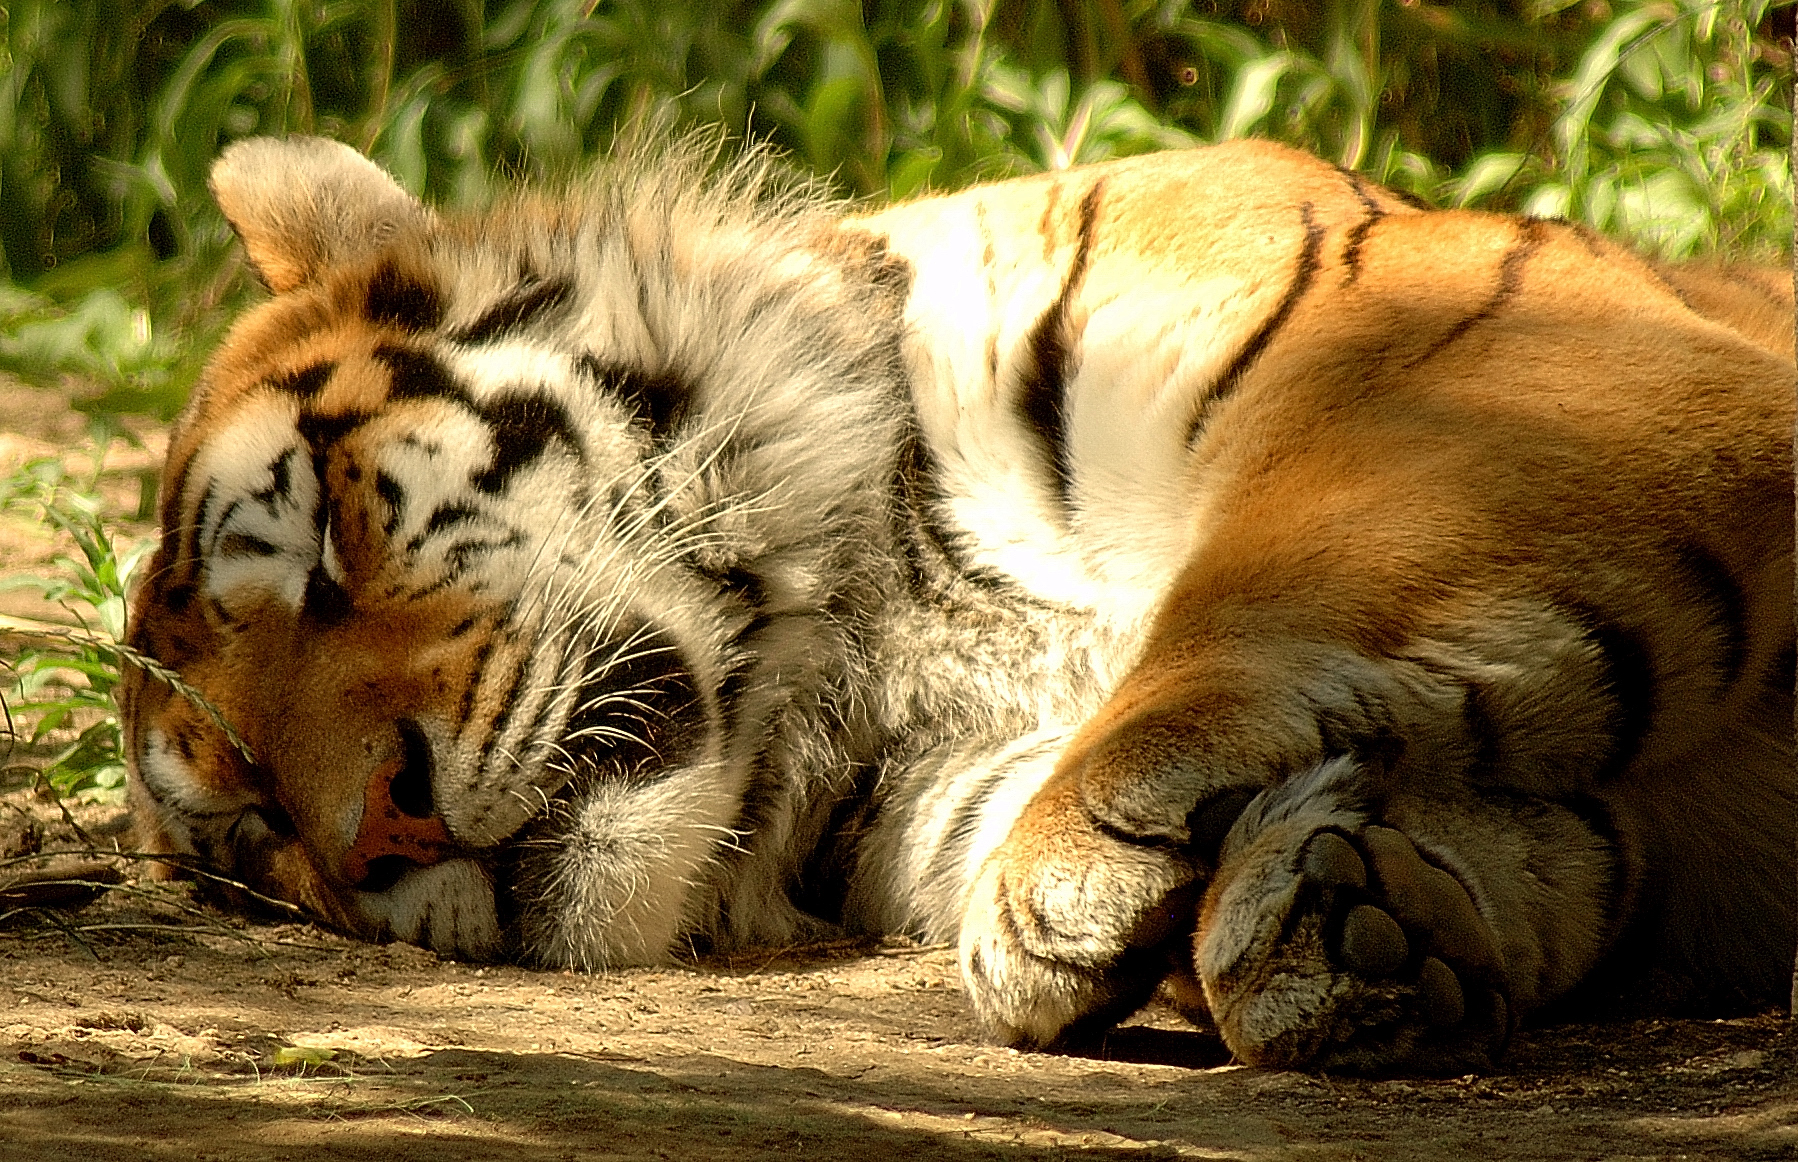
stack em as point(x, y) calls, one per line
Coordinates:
point(1664, 120)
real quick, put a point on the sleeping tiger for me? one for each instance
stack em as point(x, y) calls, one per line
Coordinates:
point(1203, 572)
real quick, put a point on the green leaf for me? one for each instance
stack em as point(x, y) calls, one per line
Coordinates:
point(911, 172)
point(303, 1055)
point(1252, 96)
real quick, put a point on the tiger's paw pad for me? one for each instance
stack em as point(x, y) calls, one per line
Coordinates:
point(1354, 953)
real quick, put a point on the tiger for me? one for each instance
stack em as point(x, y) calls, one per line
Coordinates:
point(1205, 575)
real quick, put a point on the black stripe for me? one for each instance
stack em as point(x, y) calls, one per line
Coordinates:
point(458, 555)
point(1594, 242)
point(1598, 820)
point(753, 592)
point(393, 495)
point(1530, 234)
point(522, 427)
point(184, 742)
point(762, 792)
point(174, 489)
point(822, 886)
point(507, 703)
point(245, 545)
point(1628, 678)
point(1117, 834)
point(175, 596)
point(735, 683)
point(190, 533)
point(306, 382)
point(915, 493)
point(886, 271)
point(1666, 284)
point(280, 471)
point(1631, 680)
point(1728, 608)
point(202, 517)
point(1015, 934)
point(224, 522)
point(476, 665)
point(644, 313)
point(321, 432)
point(660, 399)
point(1304, 270)
point(1484, 730)
point(649, 696)
point(745, 583)
point(965, 822)
point(1042, 402)
point(1357, 234)
point(934, 552)
point(1212, 817)
point(416, 375)
point(523, 307)
point(521, 424)
point(161, 791)
point(443, 517)
point(1039, 919)
point(397, 299)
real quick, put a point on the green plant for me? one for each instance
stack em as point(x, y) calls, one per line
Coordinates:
point(64, 674)
point(1675, 132)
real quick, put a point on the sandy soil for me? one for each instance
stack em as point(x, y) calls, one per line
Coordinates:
point(37, 424)
point(146, 1025)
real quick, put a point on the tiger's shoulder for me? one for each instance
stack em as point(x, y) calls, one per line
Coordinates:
point(1079, 343)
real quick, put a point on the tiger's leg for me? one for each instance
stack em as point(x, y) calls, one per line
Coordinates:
point(1398, 856)
point(1091, 899)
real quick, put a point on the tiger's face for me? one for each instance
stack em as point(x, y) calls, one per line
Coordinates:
point(490, 560)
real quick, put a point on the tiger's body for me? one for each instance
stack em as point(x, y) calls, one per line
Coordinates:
point(1202, 568)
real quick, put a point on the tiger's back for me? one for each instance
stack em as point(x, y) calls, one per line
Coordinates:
point(1202, 568)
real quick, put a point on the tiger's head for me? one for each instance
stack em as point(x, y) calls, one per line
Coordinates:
point(510, 544)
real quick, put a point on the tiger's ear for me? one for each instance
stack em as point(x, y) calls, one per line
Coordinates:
point(303, 204)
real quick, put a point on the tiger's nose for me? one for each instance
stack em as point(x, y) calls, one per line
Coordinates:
point(400, 825)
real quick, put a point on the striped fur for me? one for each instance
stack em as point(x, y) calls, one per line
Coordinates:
point(1201, 570)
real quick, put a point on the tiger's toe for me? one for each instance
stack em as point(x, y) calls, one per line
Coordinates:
point(1329, 942)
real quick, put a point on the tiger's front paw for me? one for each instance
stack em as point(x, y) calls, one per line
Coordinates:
point(1068, 928)
point(1328, 941)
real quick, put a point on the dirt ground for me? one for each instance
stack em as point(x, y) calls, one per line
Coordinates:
point(148, 1026)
